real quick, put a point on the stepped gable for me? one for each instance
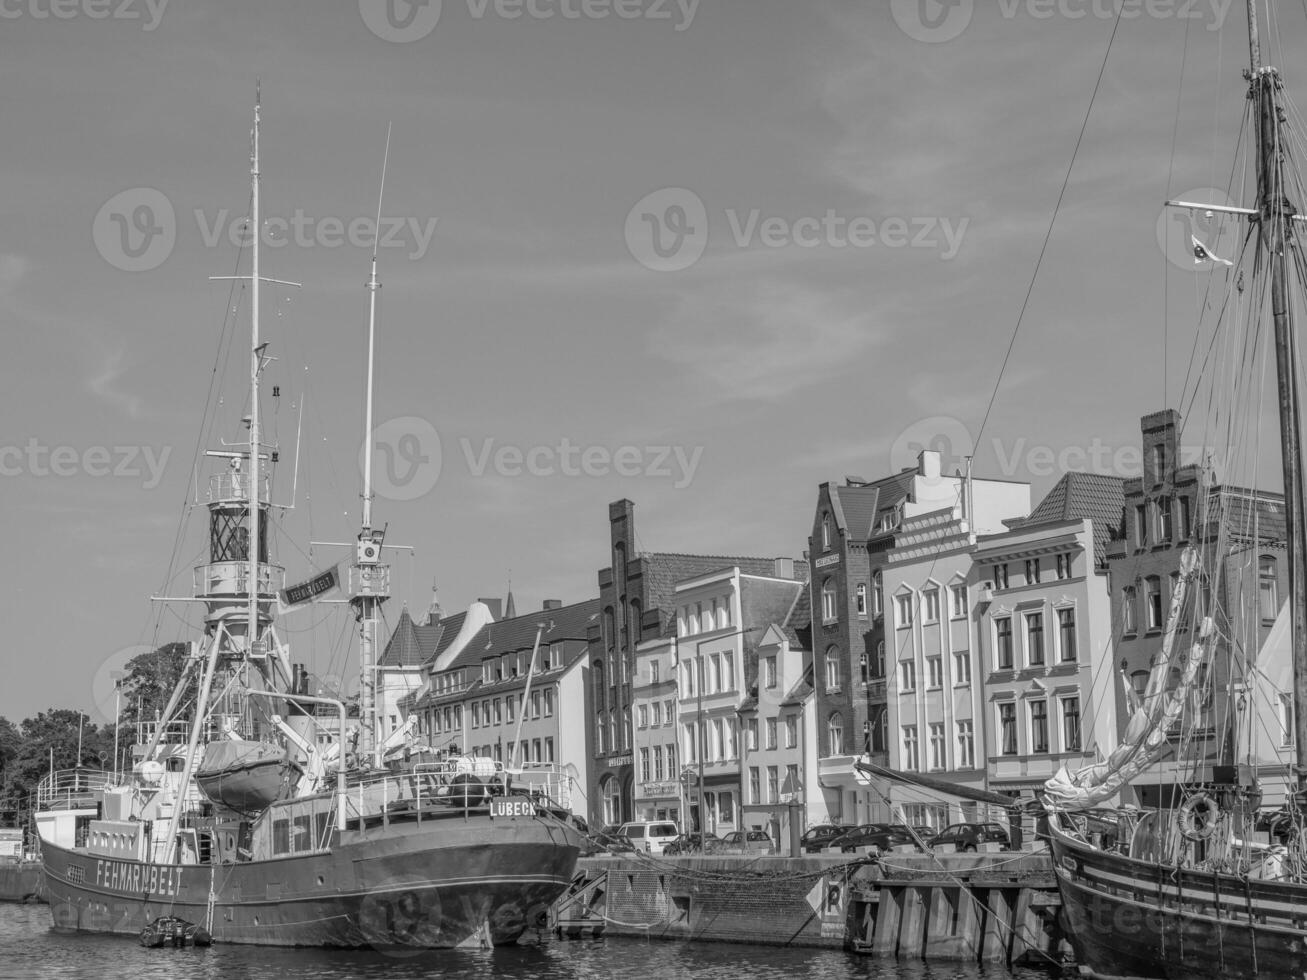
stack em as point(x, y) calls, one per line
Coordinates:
point(1100, 497)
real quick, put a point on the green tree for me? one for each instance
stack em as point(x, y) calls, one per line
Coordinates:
point(149, 681)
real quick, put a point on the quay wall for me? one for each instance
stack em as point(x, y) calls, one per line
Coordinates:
point(21, 882)
point(999, 907)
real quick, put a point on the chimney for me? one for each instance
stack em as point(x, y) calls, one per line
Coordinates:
point(496, 607)
point(553, 604)
point(785, 568)
point(928, 464)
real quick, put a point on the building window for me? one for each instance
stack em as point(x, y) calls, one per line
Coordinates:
point(1003, 643)
point(751, 734)
point(962, 667)
point(771, 733)
point(773, 784)
point(476, 714)
point(879, 727)
point(1032, 571)
point(1267, 592)
point(1070, 724)
point(903, 611)
point(966, 745)
point(642, 713)
point(878, 661)
point(1063, 566)
point(1035, 639)
point(1141, 525)
point(1000, 576)
point(1184, 525)
point(1007, 728)
point(828, 600)
point(1159, 463)
point(1128, 626)
point(769, 671)
point(653, 671)
point(930, 606)
point(1038, 726)
point(499, 712)
point(937, 745)
point(1139, 684)
point(935, 671)
point(792, 732)
point(1153, 601)
point(1066, 634)
point(669, 712)
point(958, 598)
point(535, 704)
point(715, 674)
point(911, 750)
point(792, 779)
point(908, 669)
point(1286, 718)
point(825, 532)
point(877, 596)
point(835, 734)
point(1162, 512)
point(645, 771)
point(656, 714)
point(832, 668)
point(755, 785)
point(860, 598)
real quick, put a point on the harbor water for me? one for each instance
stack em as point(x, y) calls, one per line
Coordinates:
point(31, 950)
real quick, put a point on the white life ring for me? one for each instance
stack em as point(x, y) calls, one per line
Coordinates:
point(1198, 817)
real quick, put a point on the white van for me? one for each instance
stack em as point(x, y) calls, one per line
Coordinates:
point(650, 836)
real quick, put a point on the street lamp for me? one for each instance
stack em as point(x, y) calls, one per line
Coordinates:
point(701, 743)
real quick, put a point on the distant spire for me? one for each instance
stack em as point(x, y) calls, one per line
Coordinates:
point(510, 610)
point(434, 612)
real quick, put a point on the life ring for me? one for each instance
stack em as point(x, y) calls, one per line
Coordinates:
point(1198, 817)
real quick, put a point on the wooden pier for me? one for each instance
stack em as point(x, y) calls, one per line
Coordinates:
point(988, 907)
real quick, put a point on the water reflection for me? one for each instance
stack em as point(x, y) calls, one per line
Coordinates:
point(31, 950)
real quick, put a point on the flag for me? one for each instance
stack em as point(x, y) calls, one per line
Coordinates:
point(299, 596)
point(1203, 254)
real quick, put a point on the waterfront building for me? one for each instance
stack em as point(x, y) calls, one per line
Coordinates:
point(856, 527)
point(1045, 645)
point(779, 722)
point(636, 605)
point(720, 617)
point(659, 789)
point(1246, 578)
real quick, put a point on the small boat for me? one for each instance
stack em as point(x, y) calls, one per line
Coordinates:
point(168, 930)
point(247, 775)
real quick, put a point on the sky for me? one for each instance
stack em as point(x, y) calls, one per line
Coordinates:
point(704, 256)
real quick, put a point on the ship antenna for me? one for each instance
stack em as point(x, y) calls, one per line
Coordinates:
point(374, 284)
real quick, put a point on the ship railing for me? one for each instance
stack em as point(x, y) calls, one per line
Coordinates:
point(71, 789)
point(235, 487)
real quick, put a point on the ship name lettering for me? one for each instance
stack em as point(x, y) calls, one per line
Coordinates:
point(151, 879)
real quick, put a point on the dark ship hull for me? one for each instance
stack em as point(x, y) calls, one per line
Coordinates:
point(443, 882)
point(1132, 918)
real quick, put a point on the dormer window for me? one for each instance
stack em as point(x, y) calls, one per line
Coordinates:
point(825, 532)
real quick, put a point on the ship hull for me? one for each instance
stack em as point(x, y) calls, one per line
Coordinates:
point(442, 883)
point(1131, 918)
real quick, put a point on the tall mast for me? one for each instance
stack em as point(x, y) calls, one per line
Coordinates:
point(1275, 222)
point(256, 358)
point(372, 578)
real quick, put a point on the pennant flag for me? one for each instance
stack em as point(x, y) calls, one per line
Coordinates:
point(1203, 254)
point(299, 596)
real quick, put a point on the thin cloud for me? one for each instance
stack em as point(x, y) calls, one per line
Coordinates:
point(103, 383)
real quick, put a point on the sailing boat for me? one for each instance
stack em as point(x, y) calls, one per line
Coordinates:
point(256, 818)
point(1189, 891)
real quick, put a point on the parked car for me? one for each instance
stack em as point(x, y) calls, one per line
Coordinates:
point(748, 842)
point(695, 843)
point(968, 836)
point(816, 839)
point(878, 835)
point(650, 836)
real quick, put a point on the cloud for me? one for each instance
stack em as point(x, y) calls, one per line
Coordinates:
point(765, 339)
point(103, 384)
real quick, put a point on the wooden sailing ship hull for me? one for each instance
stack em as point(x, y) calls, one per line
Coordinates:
point(439, 883)
point(1132, 918)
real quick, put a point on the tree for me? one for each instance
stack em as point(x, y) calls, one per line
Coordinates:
point(149, 682)
point(58, 738)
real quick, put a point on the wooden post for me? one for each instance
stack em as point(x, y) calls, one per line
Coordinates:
point(889, 918)
point(912, 933)
point(996, 931)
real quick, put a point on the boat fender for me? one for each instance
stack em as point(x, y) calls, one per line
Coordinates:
point(1198, 817)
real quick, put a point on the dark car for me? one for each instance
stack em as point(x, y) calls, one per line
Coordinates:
point(748, 842)
point(695, 843)
point(969, 836)
point(609, 840)
point(816, 839)
point(878, 835)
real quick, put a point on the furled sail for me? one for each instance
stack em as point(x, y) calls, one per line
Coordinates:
point(1145, 735)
